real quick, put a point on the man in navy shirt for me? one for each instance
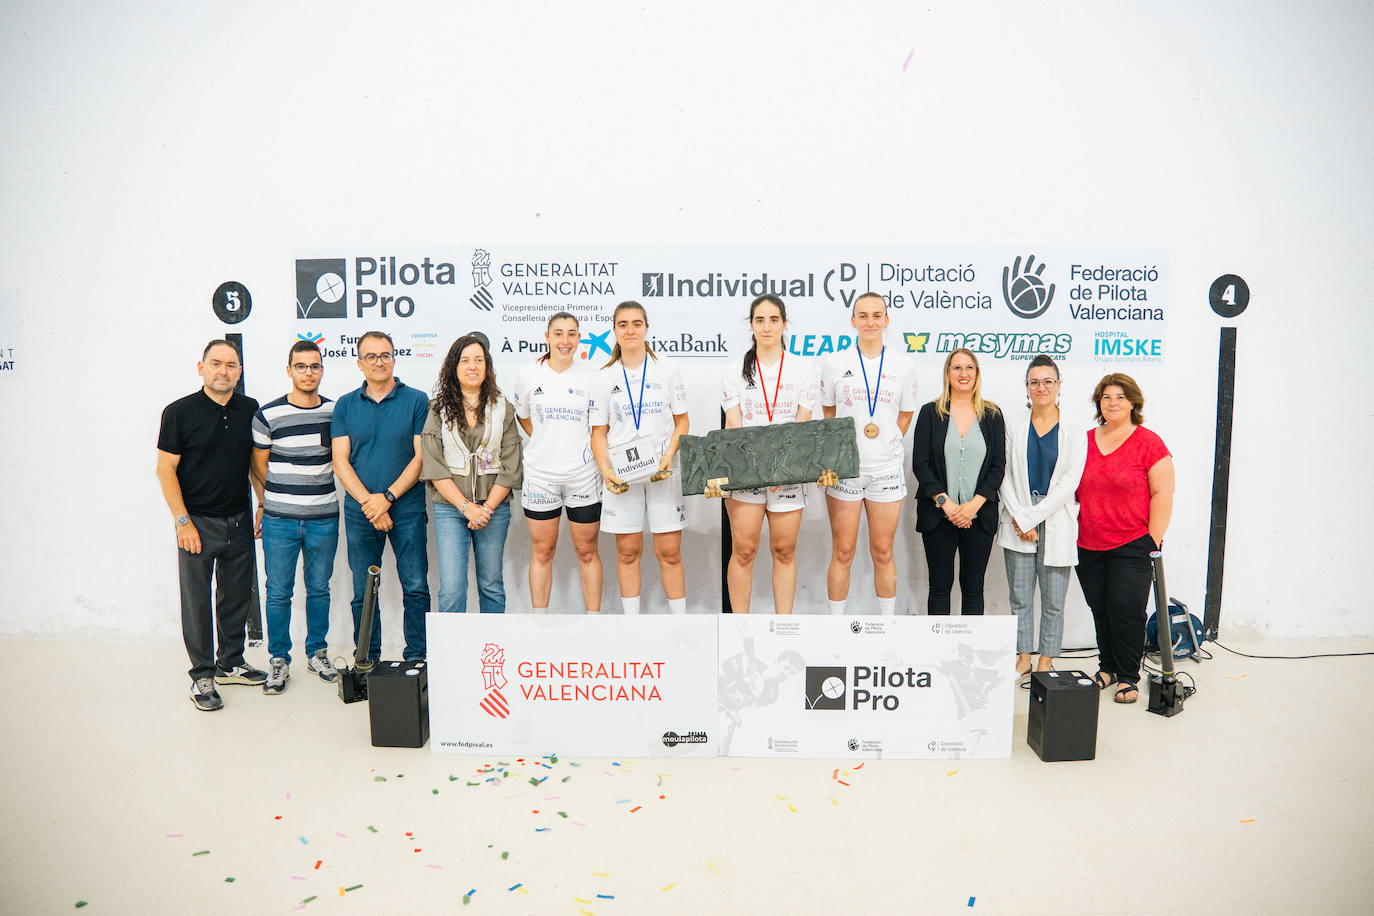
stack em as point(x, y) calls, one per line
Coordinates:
point(376, 430)
point(203, 464)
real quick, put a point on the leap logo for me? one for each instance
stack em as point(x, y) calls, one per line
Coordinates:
point(493, 679)
point(320, 288)
point(825, 687)
point(1024, 291)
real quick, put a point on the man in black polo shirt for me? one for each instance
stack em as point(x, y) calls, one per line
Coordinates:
point(204, 453)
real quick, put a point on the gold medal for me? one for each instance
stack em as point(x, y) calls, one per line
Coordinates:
point(871, 430)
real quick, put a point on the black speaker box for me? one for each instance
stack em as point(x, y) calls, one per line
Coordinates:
point(398, 704)
point(1063, 715)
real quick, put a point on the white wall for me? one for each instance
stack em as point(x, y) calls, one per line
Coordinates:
point(152, 152)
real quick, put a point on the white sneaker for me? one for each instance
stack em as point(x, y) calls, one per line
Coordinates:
point(320, 664)
point(277, 674)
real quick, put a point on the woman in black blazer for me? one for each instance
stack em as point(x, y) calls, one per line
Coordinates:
point(958, 455)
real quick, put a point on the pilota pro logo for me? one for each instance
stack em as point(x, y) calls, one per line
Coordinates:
point(321, 291)
point(493, 679)
point(825, 686)
point(1023, 289)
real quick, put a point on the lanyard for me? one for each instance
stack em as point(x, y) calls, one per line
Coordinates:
point(777, 388)
point(871, 395)
point(636, 413)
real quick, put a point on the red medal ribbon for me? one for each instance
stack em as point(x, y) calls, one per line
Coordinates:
point(777, 388)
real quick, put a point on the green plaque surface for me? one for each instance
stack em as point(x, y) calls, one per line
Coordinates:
point(769, 456)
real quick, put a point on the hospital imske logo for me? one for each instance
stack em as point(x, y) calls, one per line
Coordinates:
point(827, 686)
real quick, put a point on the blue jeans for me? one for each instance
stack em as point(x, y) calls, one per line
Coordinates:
point(454, 539)
point(283, 540)
point(409, 545)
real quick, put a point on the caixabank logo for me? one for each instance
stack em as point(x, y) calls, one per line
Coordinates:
point(1024, 290)
point(493, 703)
point(827, 686)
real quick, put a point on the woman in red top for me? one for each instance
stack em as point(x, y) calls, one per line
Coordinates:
point(1125, 499)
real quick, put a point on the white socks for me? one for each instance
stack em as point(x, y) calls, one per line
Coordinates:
point(677, 605)
point(836, 607)
point(887, 606)
point(631, 605)
point(539, 610)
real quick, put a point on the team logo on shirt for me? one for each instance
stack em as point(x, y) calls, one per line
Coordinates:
point(540, 390)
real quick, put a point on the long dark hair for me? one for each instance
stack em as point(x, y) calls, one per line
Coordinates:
point(448, 394)
point(544, 357)
point(615, 351)
point(751, 355)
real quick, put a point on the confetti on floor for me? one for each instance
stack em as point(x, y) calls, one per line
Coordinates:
point(951, 772)
point(228, 880)
point(1247, 820)
point(512, 887)
point(203, 852)
point(601, 874)
point(712, 867)
point(605, 896)
point(835, 803)
point(970, 900)
point(379, 779)
point(793, 807)
point(580, 900)
point(371, 828)
point(298, 877)
point(312, 897)
point(304, 841)
point(80, 904)
point(318, 863)
point(635, 808)
point(669, 887)
point(906, 63)
point(173, 836)
point(434, 866)
point(505, 855)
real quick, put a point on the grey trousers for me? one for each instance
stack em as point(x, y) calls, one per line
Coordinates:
point(1023, 569)
point(226, 555)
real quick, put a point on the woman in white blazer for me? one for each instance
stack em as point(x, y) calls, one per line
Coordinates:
point(1038, 527)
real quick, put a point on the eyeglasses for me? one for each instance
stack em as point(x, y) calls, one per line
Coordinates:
point(307, 367)
point(1036, 384)
point(373, 359)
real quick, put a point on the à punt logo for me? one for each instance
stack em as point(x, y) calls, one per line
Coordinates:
point(493, 679)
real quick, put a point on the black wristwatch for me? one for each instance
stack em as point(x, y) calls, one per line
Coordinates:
point(389, 497)
point(941, 500)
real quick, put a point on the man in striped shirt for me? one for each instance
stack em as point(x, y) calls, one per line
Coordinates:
point(293, 453)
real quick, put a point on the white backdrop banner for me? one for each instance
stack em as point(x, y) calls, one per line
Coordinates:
point(895, 687)
point(572, 684)
point(1077, 304)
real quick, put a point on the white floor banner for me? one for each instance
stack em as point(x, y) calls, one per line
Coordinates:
point(903, 687)
point(572, 684)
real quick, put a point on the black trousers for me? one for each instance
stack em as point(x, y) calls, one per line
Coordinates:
point(973, 545)
point(1116, 584)
point(226, 555)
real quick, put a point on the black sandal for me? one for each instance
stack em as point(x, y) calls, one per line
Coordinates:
point(1101, 684)
point(1125, 689)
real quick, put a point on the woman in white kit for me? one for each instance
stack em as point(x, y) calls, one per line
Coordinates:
point(639, 413)
point(553, 400)
point(770, 387)
point(877, 389)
